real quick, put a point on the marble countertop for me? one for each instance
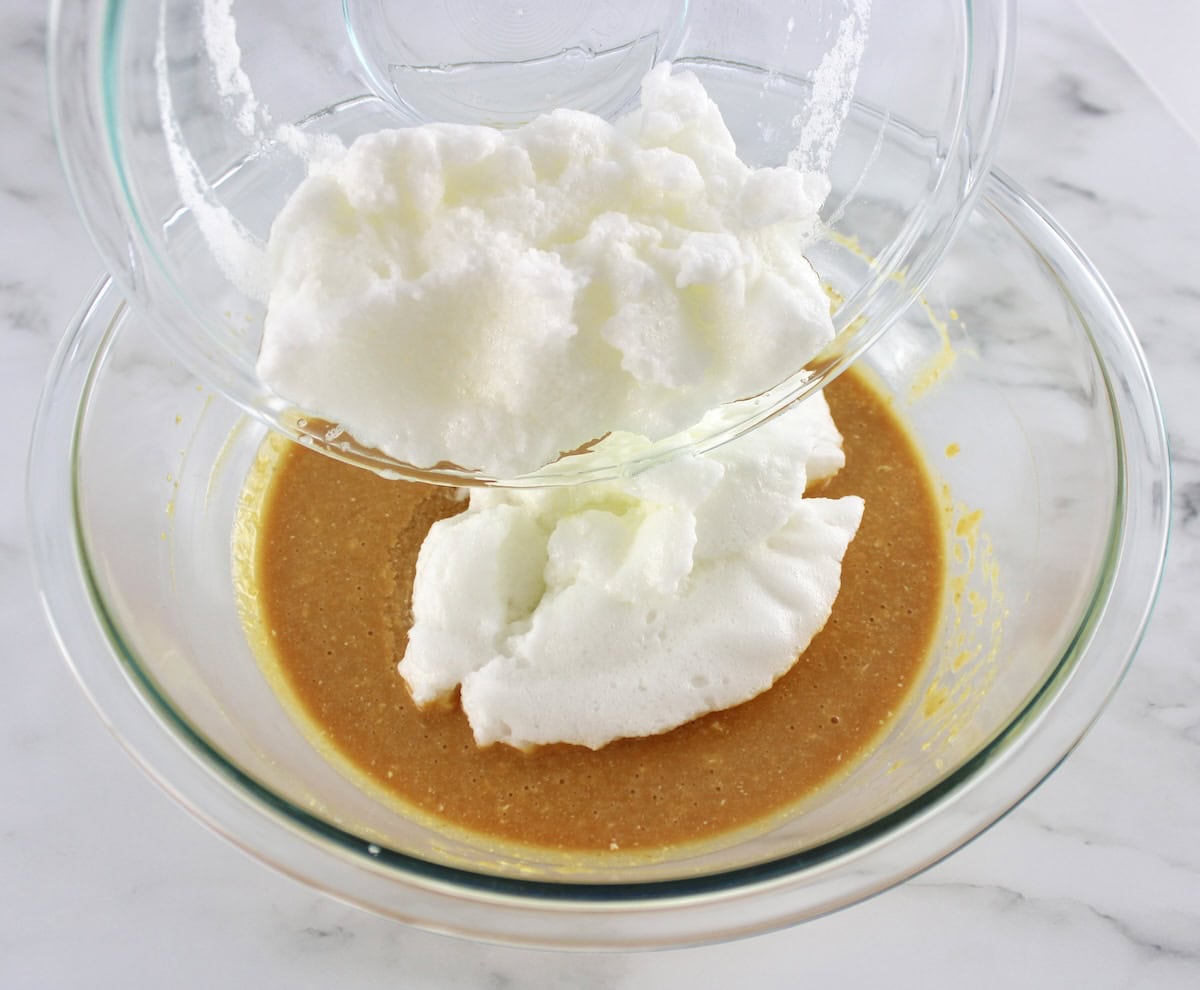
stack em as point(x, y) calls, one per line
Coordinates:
point(1093, 881)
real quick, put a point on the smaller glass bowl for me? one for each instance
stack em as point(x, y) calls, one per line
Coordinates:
point(1020, 379)
point(142, 92)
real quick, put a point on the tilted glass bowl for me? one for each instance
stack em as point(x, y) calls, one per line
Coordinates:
point(1018, 363)
point(145, 93)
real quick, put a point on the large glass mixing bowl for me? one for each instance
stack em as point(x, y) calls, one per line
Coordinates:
point(1025, 387)
point(179, 123)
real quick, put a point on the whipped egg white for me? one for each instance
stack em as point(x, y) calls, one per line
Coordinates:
point(492, 299)
point(629, 607)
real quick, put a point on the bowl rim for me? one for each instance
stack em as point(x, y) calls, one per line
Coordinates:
point(750, 899)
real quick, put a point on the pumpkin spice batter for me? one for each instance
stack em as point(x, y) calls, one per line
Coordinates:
point(332, 564)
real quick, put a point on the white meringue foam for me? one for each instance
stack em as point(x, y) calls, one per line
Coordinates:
point(492, 299)
point(627, 608)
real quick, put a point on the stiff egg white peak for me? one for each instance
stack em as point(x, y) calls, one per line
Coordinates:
point(627, 608)
point(495, 298)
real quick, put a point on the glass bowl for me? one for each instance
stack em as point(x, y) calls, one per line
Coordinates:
point(1022, 382)
point(143, 94)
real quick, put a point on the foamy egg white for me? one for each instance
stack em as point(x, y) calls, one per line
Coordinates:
point(627, 608)
point(492, 299)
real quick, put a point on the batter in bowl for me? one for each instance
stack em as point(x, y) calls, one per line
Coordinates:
point(326, 558)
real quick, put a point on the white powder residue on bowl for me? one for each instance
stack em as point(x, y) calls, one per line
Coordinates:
point(832, 92)
point(220, 41)
point(240, 255)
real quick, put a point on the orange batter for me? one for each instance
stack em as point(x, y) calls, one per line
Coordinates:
point(333, 566)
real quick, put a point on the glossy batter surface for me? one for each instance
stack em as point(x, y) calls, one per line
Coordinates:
point(332, 567)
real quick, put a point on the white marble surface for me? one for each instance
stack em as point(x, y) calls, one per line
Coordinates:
point(1094, 881)
point(1159, 39)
